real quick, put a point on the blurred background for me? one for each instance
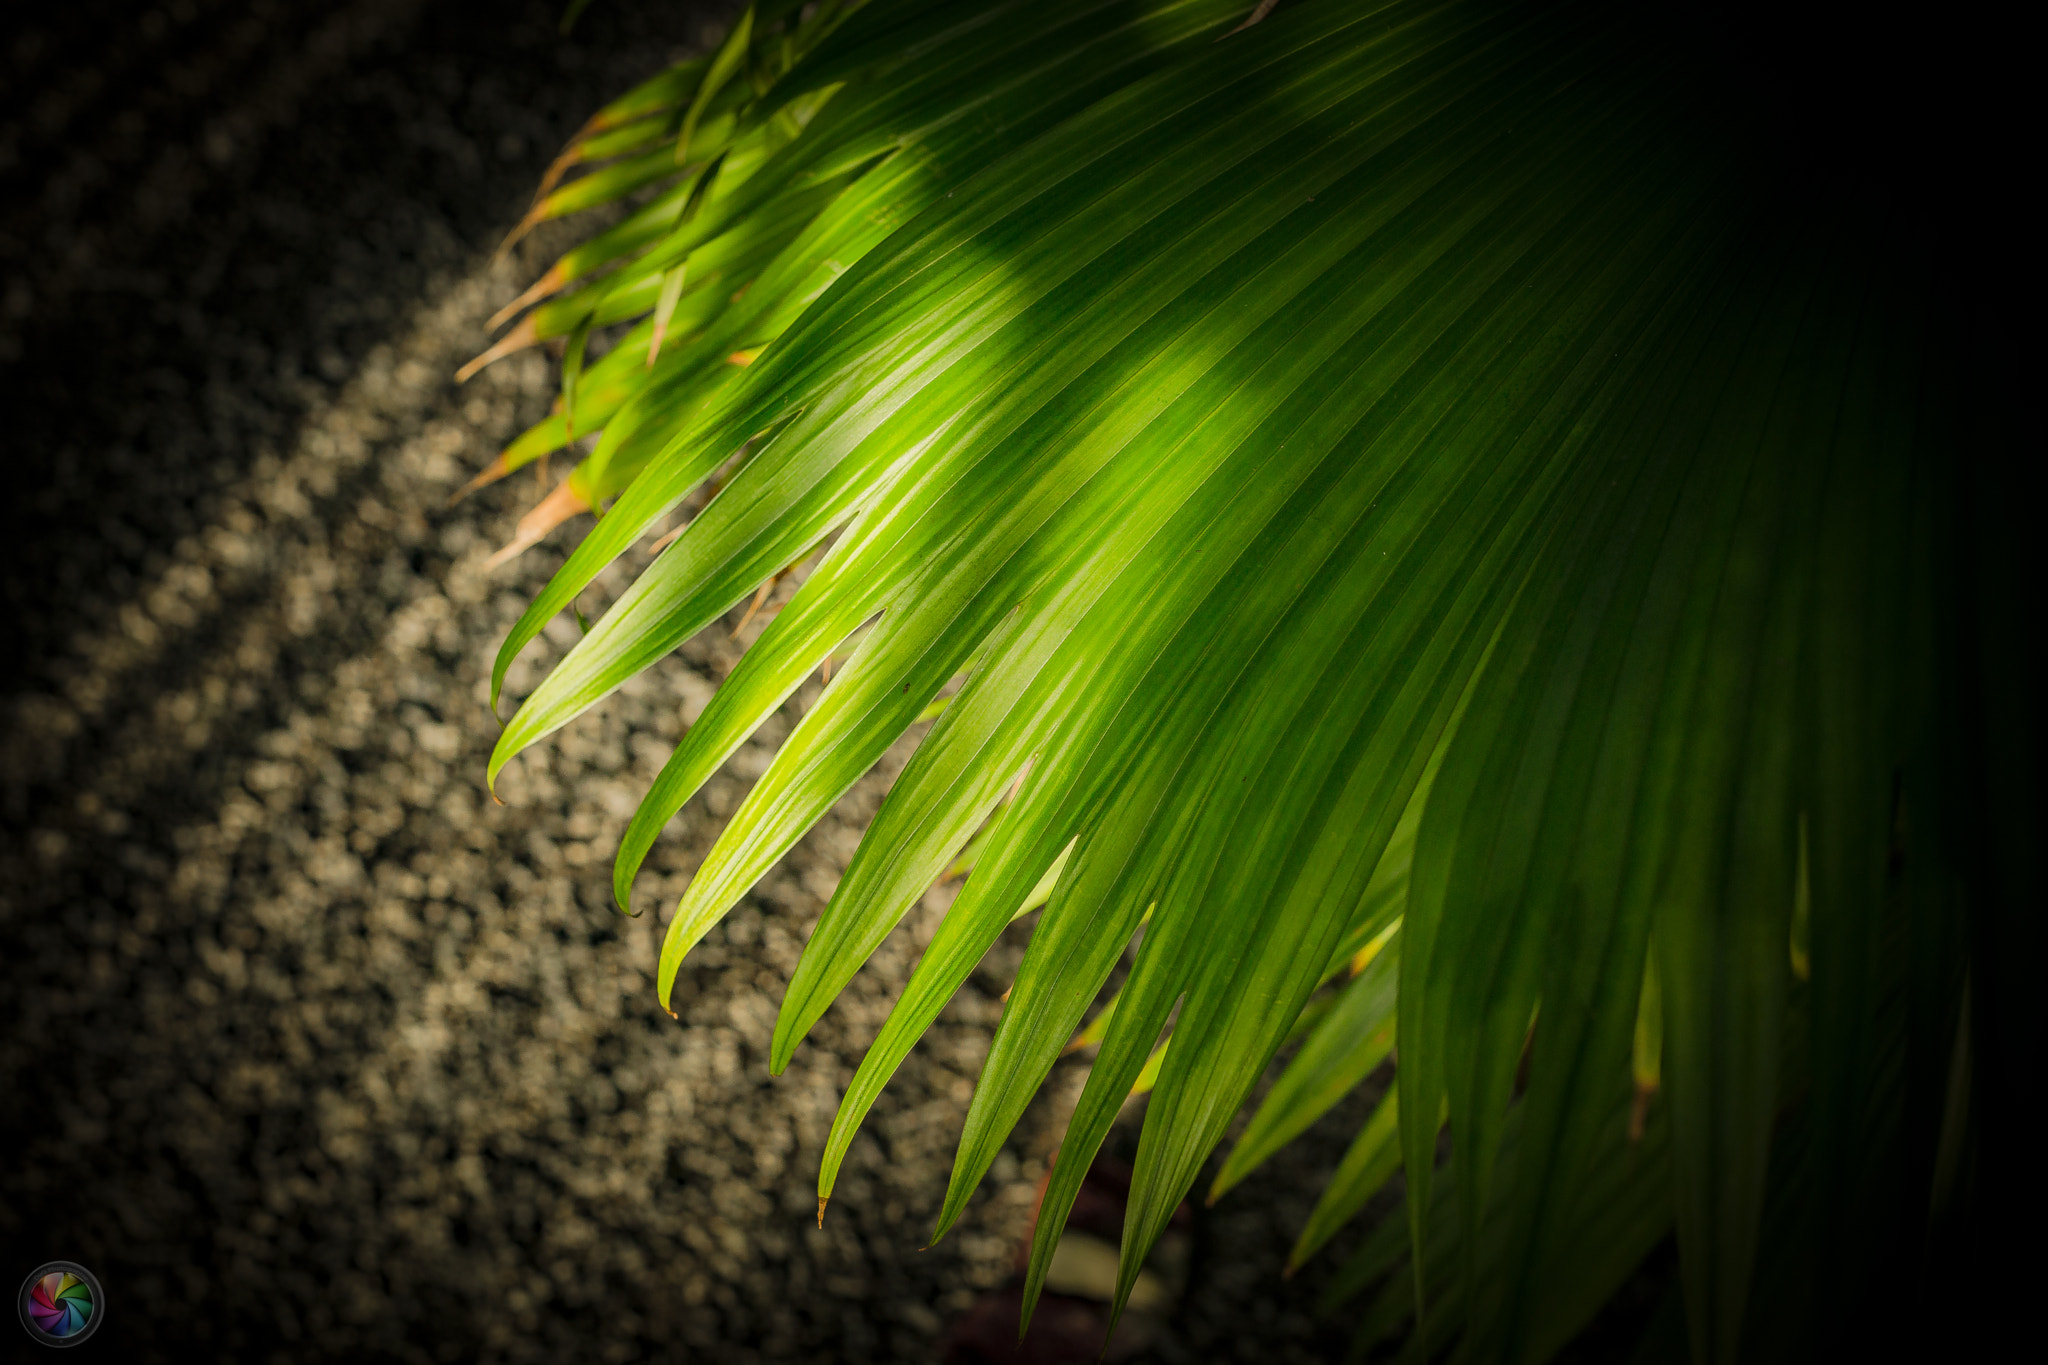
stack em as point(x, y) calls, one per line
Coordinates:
point(307, 1049)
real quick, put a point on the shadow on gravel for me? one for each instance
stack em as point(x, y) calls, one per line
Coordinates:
point(309, 1051)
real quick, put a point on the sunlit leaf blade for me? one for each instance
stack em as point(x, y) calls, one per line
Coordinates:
point(1352, 1039)
point(921, 117)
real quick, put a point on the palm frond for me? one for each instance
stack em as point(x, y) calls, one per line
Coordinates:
point(1394, 474)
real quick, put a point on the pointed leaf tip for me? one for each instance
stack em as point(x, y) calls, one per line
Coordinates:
point(488, 475)
point(518, 339)
point(547, 284)
point(557, 507)
point(823, 1200)
point(532, 219)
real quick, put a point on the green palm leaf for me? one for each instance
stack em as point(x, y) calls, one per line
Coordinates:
point(1400, 466)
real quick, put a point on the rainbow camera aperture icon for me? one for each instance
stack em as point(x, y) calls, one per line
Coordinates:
point(61, 1303)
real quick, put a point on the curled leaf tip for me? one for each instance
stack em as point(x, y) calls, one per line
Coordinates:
point(518, 339)
point(556, 508)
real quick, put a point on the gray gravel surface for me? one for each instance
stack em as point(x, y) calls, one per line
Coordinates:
point(309, 1049)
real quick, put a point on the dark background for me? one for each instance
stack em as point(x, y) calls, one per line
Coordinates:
point(306, 1048)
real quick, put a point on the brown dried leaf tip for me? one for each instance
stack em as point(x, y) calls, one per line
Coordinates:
point(541, 288)
point(518, 339)
point(1639, 1112)
point(490, 474)
point(556, 508)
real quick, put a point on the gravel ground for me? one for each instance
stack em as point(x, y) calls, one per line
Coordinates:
point(308, 1049)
